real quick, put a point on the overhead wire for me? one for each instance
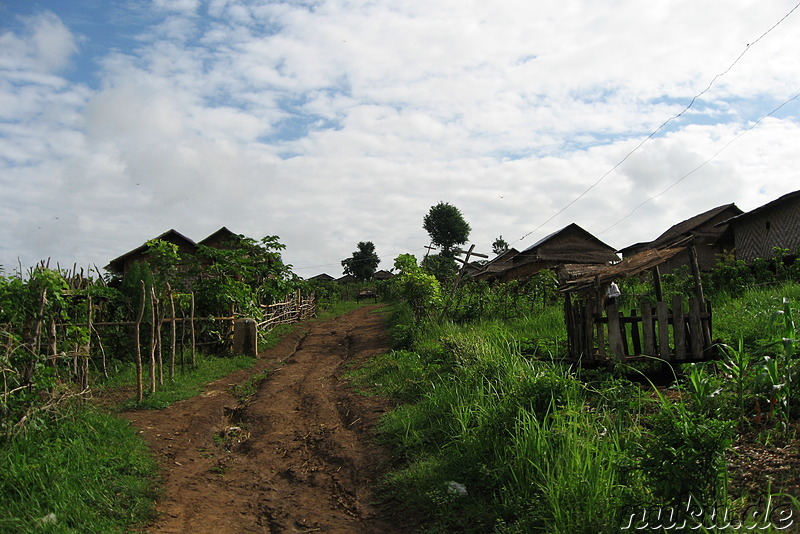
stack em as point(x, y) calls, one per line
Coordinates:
point(717, 153)
point(664, 124)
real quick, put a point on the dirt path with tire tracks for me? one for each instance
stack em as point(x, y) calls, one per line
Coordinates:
point(297, 456)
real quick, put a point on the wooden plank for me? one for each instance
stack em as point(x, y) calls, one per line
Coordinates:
point(707, 326)
point(601, 338)
point(662, 312)
point(635, 338)
point(614, 333)
point(679, 327)
point(577, 329)
point(695, 330)
point(588, 331)
point(623, 327)
point(647, 329)
point(568, 322)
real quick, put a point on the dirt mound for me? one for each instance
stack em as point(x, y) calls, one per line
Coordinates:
point(297, 456)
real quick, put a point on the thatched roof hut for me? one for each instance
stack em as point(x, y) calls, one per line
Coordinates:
point(570, 245)
point(123, 263)
point(706, 230)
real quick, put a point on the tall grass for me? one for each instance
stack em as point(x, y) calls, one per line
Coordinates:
point(496, 435)
point(84, 472)
point(531, 445)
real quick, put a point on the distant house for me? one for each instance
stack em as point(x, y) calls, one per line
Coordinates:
point(776, 224)
point(222, 238)
point(491, 271)
point(346, 279)
point(382, 275)
point(707, 231)
point(571, 244)
point(323, 277)
point(122, 264)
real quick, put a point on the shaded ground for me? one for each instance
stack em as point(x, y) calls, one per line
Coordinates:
point(297, 456)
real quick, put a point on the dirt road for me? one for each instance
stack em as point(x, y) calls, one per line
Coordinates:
point(298, 456)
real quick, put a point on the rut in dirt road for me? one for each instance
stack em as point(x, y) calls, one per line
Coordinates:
point(299, 456)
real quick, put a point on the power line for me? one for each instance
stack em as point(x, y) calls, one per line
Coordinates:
point(717, 153)
point(664, 124)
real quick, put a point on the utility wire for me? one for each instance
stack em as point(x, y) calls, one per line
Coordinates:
point(717, 153)
point(663, 125)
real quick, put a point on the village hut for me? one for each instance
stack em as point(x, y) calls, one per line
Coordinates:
point(382, 275)
point(121, 265)
point(222, 238)
point(323, 277)
point(706, 231)
point(572, 244)
point(492, 270)
point(757, 233)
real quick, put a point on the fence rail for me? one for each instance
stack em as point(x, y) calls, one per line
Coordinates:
point(296, 309)
point(679, 333)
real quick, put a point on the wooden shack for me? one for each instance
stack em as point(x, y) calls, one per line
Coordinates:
point(678, 331)
point(571, 244)
point(776, 224)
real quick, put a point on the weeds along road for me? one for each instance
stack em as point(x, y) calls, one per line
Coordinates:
point(297, 456)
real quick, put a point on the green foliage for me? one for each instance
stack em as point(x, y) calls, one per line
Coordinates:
point(30, 378)
point(420, 290)
point(499, 245)
point(477, 300)
point(447, 227)
point(242, 274)
point(362, 264)
point(188, 382)
point(87, 469)
point(684, 455)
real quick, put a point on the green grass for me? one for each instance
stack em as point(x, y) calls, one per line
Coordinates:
point(187, 383)
point(488, 405)
point(751, 315)
point(87, 468)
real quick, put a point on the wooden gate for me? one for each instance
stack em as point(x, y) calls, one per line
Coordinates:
point(680, 333)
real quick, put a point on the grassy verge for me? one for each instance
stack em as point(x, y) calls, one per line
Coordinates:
point(84, 472)
point(494, 435)
point(187, 383)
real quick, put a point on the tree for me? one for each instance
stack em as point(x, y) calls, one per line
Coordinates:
point(500, 245)
point(447, 227)
point(363, 263)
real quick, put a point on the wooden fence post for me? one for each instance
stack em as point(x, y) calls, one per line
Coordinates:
point(172, 333)
point(679, 327)
point(152, 341)
point(138, 347)
point(614, 332)
point(194, 346)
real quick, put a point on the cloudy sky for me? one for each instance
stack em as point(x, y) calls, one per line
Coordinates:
point(329, 122)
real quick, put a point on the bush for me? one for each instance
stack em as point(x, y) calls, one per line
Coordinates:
point(684, 455)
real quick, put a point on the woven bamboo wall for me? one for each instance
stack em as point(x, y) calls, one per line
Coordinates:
point(756, 236)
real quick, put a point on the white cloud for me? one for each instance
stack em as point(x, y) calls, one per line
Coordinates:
point(333, 122)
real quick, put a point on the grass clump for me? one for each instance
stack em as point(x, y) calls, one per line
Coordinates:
point(70, 475)
point(495, 434)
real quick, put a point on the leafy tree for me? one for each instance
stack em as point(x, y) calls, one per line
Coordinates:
point(499, 246)
point(441, 266)
point(244, 272)
point(363, 263)
point(447, 227)
point(416, 287)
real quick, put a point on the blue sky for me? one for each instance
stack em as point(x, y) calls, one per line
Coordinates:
point(333, 122)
